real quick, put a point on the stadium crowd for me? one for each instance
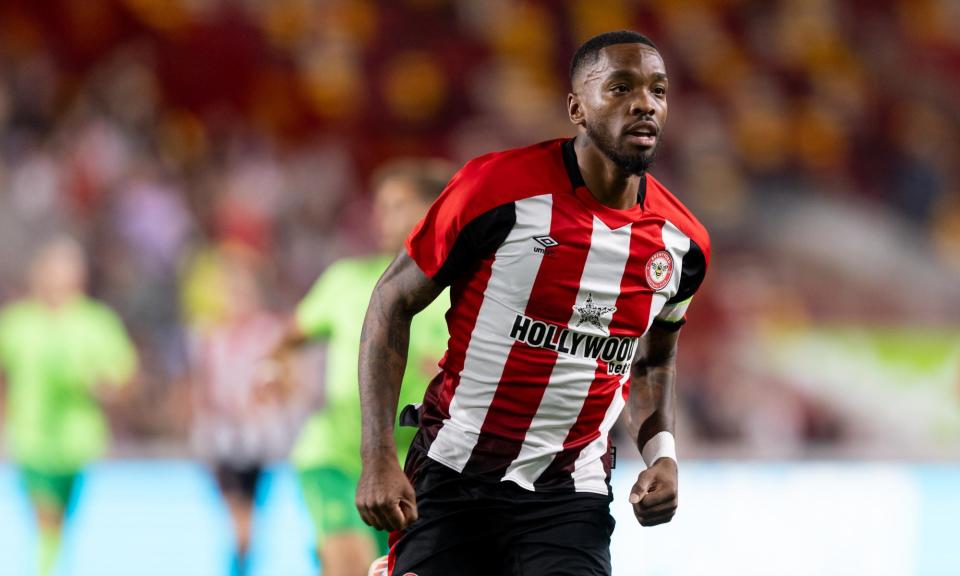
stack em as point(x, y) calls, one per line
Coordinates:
point(180, 139)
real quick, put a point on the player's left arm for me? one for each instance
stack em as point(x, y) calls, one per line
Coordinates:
point(116, 358)
point(651, 410)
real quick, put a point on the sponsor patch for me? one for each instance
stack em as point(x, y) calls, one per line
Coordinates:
point(615, 351)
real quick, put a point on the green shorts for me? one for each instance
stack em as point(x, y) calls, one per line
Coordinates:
point(329, 494)
point(54, 489)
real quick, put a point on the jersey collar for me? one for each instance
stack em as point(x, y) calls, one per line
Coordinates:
point(611, 216)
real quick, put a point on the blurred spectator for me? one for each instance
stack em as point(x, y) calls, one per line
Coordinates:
point(63, 354)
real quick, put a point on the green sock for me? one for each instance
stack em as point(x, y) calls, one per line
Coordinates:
point(48, 550)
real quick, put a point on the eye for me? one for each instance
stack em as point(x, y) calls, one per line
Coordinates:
point(619, 88)
point(660, 90)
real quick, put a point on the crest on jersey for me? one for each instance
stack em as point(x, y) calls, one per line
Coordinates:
point(659, 269)
point(593, 314)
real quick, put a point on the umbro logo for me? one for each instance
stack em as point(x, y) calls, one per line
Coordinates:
point(544, 242)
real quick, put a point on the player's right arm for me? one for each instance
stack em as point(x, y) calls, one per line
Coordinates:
point(272, 377)
point(313, 319)
point(385, 497)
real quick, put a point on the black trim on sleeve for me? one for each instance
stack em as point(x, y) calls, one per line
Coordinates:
point(576, 177)
point(480, 237)
point(694, 268)
point(669, 326)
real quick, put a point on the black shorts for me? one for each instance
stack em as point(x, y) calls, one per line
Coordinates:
point(237, 480)
point(470, 527)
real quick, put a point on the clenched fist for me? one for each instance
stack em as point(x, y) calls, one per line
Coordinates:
point(385, 497)
point(654, 495)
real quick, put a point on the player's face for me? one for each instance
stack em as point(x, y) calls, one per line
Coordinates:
point(59, 273)
point(621, 104)
point(397, 208)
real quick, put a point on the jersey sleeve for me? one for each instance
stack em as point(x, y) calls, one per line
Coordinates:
point(461, 227)
point(692, 272)
point(314, 315)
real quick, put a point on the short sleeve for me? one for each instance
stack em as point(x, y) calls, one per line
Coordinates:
point(693, 269)
point(433, 238)
point(315, 313)
point(461, 227)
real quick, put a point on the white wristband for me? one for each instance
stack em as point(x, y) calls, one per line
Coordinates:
point(661, 445)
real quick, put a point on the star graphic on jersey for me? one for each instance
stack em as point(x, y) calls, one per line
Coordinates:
point(592, 314)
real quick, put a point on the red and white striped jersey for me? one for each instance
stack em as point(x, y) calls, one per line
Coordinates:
point(550, 294)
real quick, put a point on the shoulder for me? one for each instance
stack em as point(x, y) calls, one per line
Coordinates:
point(509, 175)
point(539, 161)
point(98, 312)
point(661, 201)
point(16, 312)
point(344, 269)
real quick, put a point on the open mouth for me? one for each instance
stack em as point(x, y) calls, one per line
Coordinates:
point(643, 135)
point(642, 138)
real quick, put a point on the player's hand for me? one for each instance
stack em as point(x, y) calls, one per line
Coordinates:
point(654, 496)
point(271, 380)
point(385, 497)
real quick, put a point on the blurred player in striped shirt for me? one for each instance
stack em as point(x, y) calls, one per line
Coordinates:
point(235, 430)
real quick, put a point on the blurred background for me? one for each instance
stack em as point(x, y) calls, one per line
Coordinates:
point(817, 140)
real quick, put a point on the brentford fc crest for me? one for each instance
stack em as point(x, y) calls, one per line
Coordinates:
point(659, 269)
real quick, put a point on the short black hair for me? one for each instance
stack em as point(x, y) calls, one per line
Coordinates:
point(588, 51)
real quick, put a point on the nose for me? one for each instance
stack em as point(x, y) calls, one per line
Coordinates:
point(642, 104)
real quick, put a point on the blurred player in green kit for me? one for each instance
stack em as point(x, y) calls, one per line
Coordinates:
point(62, 354)
point(327, 455)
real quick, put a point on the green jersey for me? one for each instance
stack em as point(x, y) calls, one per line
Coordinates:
point(333, 311)
point(53, 359)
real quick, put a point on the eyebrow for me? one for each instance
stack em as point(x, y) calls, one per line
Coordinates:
point(618, 74)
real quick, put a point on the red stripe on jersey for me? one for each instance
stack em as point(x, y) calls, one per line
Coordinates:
point(633, 309)
point(466, 297)
point(527, 371)
point(392, 540)
point(481, 185)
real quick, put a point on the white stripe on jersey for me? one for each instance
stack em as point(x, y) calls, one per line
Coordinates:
point(588, 472)
point(677, 244)
point(514, 272)
point(589, 475)
point(567, 389)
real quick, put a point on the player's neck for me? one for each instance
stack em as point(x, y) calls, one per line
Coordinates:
point(609, 184)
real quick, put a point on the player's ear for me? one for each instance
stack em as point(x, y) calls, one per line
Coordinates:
point(575, 109)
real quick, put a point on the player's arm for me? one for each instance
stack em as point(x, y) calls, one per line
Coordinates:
point(313, 320)
point(650, 410)
point(385, 497)
point(272, 379)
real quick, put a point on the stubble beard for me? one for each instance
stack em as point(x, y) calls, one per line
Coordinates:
point(636, 164)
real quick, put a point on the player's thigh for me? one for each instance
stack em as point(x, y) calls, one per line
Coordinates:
point(559, 543)
point(422, 554)
point(330, 495)
point(347, 554)
point(456, 530)
point(546, 559)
